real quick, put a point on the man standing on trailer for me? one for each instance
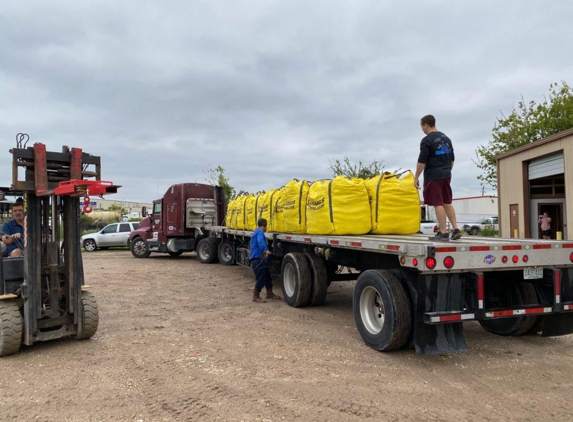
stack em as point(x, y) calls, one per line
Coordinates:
point(436, 160)
point(13, 230)
point(259, 259)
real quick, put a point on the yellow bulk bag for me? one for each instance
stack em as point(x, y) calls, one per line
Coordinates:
point(238, 215)
point(229, 214)
point(249, 214)
point(276, 222)
point(294, 206)
point(263, 205)
point(395, 204)
point(338, 206)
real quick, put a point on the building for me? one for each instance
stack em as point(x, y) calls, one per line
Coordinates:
point(468, 210)
point(534, 179)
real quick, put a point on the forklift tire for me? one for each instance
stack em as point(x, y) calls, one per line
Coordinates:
point(319, 280)
point(89, 315)
point(90, 245)
point(139, 248)
point(381, 310)
point(510, 294)
point(226, 252)
point(207, 250)
point(10, 327)
point(296, 280)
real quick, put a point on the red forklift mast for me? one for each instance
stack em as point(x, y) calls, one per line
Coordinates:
point(47, 283)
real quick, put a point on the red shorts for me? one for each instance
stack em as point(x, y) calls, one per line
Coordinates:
point(437, 192)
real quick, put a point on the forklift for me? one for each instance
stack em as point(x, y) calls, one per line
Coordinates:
point(42, 293)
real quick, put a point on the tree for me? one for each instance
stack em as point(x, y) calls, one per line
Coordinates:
point(217, 177)
point(529, 123)
point(347, 169)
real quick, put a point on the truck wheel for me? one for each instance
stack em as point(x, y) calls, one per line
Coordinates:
point(10, 327)
point(89, 315)
point(474, 231)
point(90, 245)
point(175, 254)
point(409, 282)
point(506, 295)
point(382, 310)
point(319, 279)
point(226, 252)
point(296, 279)
point(207, 250)
point(139, 248)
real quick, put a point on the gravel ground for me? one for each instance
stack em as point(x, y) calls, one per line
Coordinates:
point(182, 341)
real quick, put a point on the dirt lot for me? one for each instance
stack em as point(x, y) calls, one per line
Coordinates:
point(181, 341)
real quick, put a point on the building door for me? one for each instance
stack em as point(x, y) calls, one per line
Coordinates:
point(555, 212)
point(513, 219)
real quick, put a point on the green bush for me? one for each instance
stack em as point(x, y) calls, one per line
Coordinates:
point(488, 231)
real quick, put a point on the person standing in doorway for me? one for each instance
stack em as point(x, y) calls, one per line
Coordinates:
point(259, 259)
point(436, 160)
point(545, 222)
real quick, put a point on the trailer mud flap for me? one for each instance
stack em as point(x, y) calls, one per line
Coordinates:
point(439, 293)
point(557, 325)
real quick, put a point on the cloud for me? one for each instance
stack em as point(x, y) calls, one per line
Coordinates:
point(268, 90)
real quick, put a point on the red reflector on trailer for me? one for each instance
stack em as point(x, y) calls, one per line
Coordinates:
point(515, 259)
point(525, 258)
point(358, 244)
point(511, 248)
point(334, 242)
point(393, 247)
point(415, 262)
point(445, 250)
point(431, 263)
point(504, 259)
point(446, 318)
point(567, 245)
point(288, 237)
point(307, 239)
point(541, 246)
point(448, 262)
point(502, 313)
point(479, 248)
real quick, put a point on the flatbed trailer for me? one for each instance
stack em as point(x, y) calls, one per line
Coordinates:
point(413, 292)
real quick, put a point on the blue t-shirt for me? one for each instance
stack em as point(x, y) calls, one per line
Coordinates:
point(258, 244)
point(12, 227)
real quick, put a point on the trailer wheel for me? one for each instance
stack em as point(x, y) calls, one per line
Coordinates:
point(90, 245)
point(139, 248)
point(207, 250)
point(227, 252)
point(382, 310)
point(296, 279)
point(319, 280)
point(505, 295)
point(10, 327)
point(89, 315)
point(407, 278)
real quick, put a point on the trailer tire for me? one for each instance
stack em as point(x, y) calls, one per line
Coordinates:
point(207, 250)
point(407, 278)
point(319, 280)
point(226, 252)
point(139, 248)
point(10, 327)
point(89, 315)
point(296, 279)
point(381, 310)
point(508, 295)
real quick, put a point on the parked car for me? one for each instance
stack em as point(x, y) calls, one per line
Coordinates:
point(428, 227)
point(116, 234)
point(475, 228)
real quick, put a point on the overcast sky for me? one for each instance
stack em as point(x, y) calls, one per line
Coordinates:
point(269, 90)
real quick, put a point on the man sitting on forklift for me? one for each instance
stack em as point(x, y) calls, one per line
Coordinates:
point(13, 231)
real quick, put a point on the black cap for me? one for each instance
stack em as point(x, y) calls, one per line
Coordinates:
point(262, 222)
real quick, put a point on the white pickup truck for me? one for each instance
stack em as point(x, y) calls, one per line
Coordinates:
point(428, 227)
point(475, 228)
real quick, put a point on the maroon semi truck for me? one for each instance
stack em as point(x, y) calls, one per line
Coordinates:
point(178, 220)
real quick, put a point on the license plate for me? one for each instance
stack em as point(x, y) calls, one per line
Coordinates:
point(532, 273)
